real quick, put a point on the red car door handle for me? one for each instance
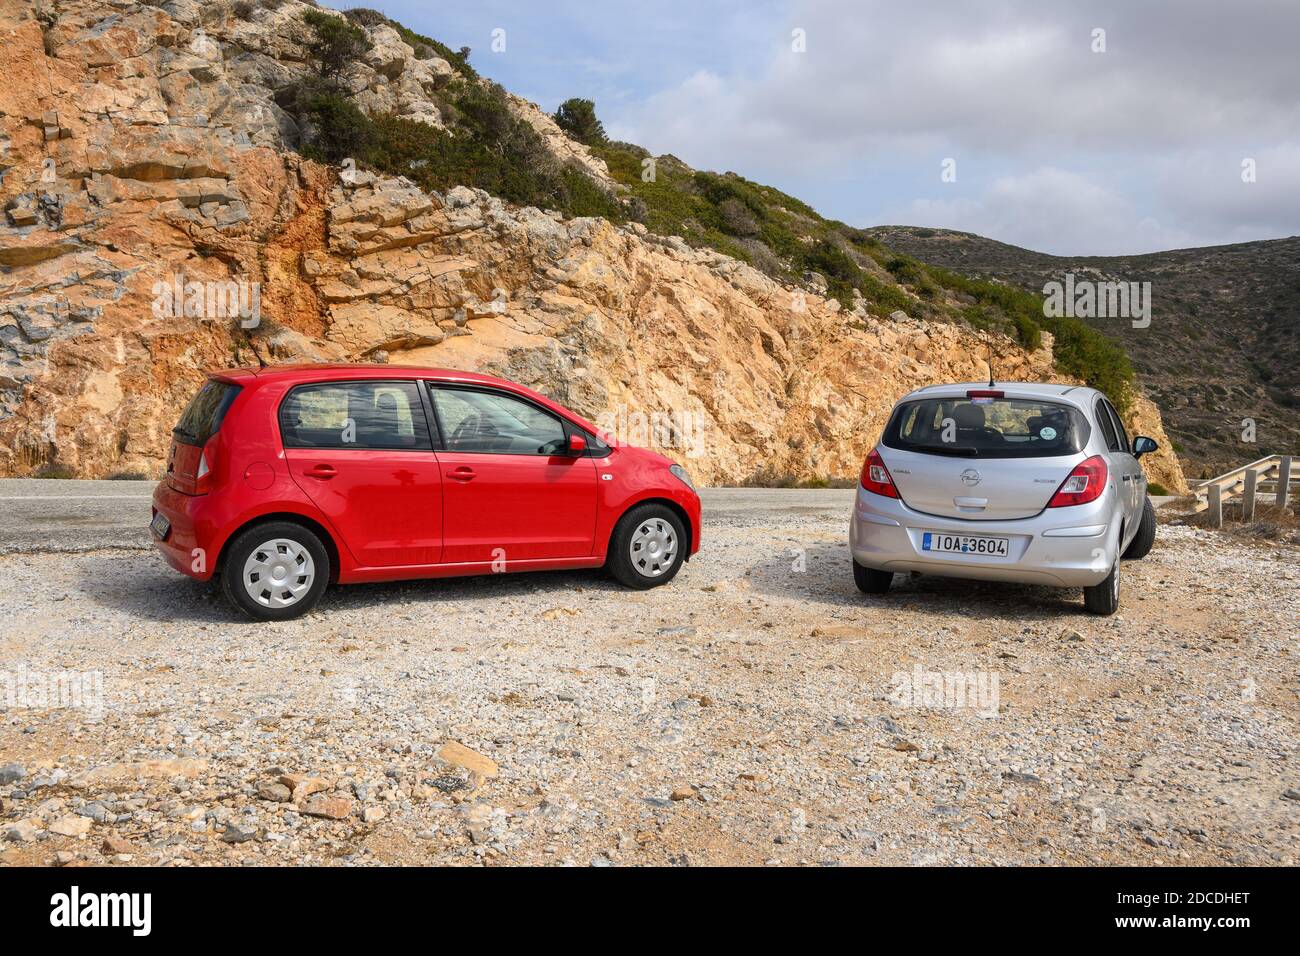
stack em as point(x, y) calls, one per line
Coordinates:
point(463, 473)
point(321, 471)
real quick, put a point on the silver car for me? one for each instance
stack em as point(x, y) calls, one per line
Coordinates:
point(1037, 484)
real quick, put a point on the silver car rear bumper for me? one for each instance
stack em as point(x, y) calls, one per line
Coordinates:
point(1061, 547)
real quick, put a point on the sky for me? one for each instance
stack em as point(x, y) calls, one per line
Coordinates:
point(1177, 125)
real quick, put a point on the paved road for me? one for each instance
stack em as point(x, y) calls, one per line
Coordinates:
point(70, 516)
point(58, 515)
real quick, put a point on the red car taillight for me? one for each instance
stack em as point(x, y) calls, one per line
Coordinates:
point(1085, 484)
point(204, 480)
point(875, 476)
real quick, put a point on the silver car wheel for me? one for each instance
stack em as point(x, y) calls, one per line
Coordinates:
point(653, 547)
point(279, 573)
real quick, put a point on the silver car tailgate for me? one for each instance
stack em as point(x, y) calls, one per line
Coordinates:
point(978, 489)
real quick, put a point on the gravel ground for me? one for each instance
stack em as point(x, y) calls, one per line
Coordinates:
point(757, 710)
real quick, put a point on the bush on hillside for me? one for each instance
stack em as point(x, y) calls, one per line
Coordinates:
point(362, 16)
point(737, 219)
point(1085, 353)
point(490, 148)
point(335, 128)
point(336, 44)
point(577, 117)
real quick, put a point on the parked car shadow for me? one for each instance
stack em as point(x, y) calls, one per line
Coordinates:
point(827, 578)
point(154, 592)
point(167, 596)
point(545, 585)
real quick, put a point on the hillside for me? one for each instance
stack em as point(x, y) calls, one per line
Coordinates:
point(1222, 345)
point(386, 203)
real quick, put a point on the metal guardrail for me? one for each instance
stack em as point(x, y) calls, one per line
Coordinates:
point(1273, 473)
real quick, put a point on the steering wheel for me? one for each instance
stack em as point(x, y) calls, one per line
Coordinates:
point(472, 426)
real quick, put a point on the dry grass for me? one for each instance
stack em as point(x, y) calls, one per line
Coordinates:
point(1270, 522)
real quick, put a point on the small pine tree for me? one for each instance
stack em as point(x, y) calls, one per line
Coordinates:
point(336, 43)
point(577, 117)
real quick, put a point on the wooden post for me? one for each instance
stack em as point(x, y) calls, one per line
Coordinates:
point(1248, 496)
point(1283, 481)
point(1215, 494)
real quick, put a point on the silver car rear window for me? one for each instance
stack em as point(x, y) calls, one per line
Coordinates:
point(987, 428)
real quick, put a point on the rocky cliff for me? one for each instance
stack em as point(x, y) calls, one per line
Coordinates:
point(157, 222)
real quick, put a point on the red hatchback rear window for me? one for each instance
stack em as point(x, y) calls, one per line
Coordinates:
point(203, 416)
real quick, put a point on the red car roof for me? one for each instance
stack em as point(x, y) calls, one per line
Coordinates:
point(341, 371)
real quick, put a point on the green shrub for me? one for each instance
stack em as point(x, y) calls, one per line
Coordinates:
point(841, 271)
point(337, 43)
point(583, 196)
point(1085, 353)
point(577, 117)
point(1028, 333)
point(906, 270)
point(886, 298)
point(55, 470)
point(737, 218)
point(490, 148)
point(1157, 489)
point(990, 318)
point(365, 17)
point(339, 128)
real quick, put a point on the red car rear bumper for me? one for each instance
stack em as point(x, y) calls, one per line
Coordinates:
point(187, 544)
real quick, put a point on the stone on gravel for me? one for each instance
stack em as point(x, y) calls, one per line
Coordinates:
point(458, 755)
point(116, 846)
point(275, 792)
point(331, 808)
point(118, 775)
point(235, 833)
point(24, 831)
point(301, 786)
point(72, 826)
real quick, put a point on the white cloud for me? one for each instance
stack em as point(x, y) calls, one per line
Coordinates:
point(1060, 148)
point(1048, 210)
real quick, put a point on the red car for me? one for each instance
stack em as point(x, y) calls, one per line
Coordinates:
point(284, 479)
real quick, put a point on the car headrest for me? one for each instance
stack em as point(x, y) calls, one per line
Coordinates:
point(968, 416)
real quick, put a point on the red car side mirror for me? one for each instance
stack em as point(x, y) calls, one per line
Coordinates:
point(577, 444)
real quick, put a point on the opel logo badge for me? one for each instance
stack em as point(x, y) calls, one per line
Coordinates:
point(970, 477)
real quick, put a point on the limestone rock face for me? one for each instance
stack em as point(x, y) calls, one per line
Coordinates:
point(145, 171)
